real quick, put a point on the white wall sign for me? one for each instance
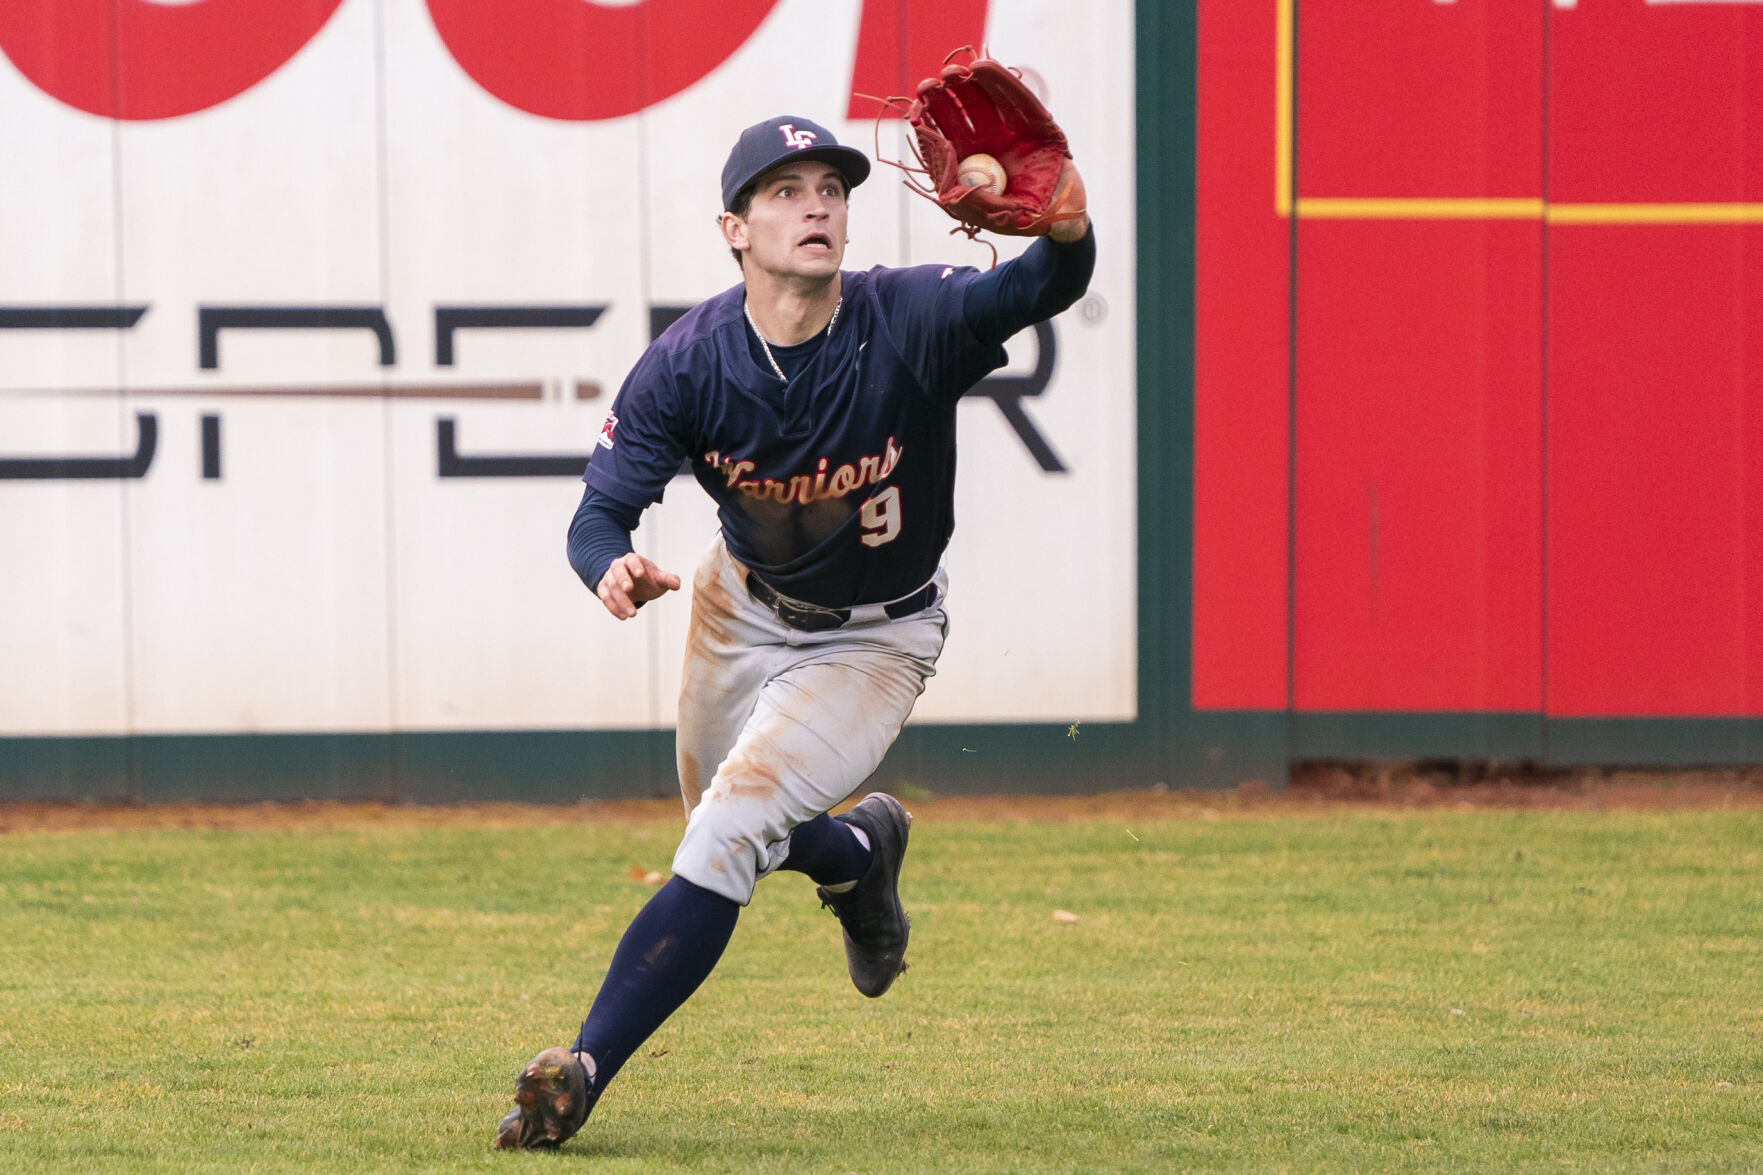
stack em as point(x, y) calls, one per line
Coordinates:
point(300, 359)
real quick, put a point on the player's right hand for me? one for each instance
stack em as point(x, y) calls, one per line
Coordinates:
point(633, 580)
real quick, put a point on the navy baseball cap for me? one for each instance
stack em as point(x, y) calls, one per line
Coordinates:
point(765, 145)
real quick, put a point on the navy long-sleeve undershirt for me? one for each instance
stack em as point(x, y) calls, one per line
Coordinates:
point(600, 533)
point(1048, 277)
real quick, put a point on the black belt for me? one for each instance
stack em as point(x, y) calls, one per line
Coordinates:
point(813, 618)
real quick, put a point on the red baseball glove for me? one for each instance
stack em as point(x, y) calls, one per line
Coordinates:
point(982, 108)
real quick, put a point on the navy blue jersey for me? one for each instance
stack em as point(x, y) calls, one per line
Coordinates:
point(838, 486)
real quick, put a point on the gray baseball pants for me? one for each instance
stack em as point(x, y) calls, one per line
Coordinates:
point(777, 725)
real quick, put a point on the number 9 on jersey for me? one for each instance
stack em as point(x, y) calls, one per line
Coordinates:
point(881, 518)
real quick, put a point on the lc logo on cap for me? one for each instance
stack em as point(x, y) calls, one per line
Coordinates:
point(757, 151)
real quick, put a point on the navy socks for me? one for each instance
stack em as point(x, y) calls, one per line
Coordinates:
point(674, 942)
point(828, 851)
point(668, 950)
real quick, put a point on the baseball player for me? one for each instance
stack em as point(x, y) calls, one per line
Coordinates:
point(817, 408)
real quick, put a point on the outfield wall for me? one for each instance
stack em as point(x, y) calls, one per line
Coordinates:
point(1478, 394)
point(1414, 412)
point(312, 311)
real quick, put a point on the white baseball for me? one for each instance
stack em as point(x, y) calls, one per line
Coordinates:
point(982, 171)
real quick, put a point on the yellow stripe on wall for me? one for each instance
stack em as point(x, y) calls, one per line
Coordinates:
point(1522, 208)
point(1312, 208)
point(1654, 214)
point(1282, 112)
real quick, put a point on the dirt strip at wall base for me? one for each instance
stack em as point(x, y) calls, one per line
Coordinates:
point(1315, 787)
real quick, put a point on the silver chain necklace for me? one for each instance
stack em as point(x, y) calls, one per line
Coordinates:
point(766, 347)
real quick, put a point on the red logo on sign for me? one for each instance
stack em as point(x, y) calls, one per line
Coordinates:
point(133, 59)
point(563, 59)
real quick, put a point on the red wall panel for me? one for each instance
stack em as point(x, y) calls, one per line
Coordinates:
point(1405, 99)
point(1656, 102)
point(1240, 364)
point(1419, 521)
point(1655, 470)
point(1419, 410)
point(1526, 359)
point(1655, 372)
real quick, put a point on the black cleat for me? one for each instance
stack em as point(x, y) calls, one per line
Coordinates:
point(552, 1098)
point(875, 925)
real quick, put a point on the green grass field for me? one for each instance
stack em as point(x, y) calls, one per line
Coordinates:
point(1343, 990)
